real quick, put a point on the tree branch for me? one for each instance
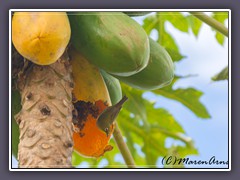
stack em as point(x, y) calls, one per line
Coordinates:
point(211, 22)
point(127, 156)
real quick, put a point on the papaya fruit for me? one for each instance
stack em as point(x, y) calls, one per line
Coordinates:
point(158, 73)
point(91, 97)
point(41, 37)
point(136, 13)
point(113, 86)
point(112, 41)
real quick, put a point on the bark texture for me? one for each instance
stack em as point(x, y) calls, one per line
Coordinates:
point(45, 121)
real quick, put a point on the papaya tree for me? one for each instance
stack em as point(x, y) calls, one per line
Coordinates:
point(68, 69)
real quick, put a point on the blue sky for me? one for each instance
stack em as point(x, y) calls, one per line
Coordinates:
point(205, 57)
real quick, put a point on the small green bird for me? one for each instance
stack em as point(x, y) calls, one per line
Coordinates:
point(108, 116)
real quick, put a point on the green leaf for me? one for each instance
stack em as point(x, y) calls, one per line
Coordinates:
point(175, 135)
point(175, 55)
point(149, 23)
point(131, 137)
point(151, 154)
point(163, 122)
point(16, 107)
point(141, 136)
point(220, 38)
point(135, 103)
point(127, 122)
point(222, 75)
point(177, 20)
point(168, 41)
point(141, 162)
point(195, 24)
point(189, 97)
point(134, 133)
point(162, 118)
point(157, 22)
point(184, 151)
point(130, 142)
point(221, 17)
point(157, 142)
point(154, 147)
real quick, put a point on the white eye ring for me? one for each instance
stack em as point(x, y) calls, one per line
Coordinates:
point(106, 129)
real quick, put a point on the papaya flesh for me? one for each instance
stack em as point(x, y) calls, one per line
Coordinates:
point(136, 13)
point(113, 86)
point(158, 73)
point(112, 41)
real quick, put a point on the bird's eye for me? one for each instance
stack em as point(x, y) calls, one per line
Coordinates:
point(106, 129)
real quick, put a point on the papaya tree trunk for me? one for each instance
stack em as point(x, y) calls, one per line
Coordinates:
point(45, 121)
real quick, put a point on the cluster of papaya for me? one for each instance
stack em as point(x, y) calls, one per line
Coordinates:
point(117, 44)
point(105, 47)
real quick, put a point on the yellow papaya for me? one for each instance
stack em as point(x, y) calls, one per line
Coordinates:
point(41, 37)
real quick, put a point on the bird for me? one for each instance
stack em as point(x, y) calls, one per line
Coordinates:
point(109, 115)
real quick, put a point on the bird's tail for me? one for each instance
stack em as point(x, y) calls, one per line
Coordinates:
point(123, 100)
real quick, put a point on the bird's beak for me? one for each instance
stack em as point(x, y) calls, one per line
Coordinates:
point(106, 133)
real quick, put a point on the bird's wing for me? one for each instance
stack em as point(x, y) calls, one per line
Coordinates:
point(114, 115)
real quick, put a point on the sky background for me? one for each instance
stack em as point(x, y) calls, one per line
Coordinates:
point(205, 57)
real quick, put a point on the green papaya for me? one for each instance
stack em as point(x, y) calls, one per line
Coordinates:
point(158, 73)
point(113, 86)
point(112, 41)
point(136, 13)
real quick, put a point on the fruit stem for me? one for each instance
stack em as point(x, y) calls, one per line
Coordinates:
point(127, 156)
point(211, 22)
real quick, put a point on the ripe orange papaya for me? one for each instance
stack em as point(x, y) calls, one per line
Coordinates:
point(158, 73)
point(112, 41)
point(90, 99)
